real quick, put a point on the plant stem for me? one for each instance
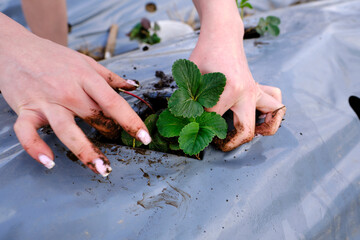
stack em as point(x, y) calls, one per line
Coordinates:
point(242, 13)
point(131, 94)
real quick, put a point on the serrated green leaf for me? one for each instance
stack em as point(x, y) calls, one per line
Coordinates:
point(195, 91)
point(182, 104)
point(128, 140)
point(213, 122)
point(158, 143)
point(273, 20)
point(274, 30)
point(193, 139)
point(186, 75)
point(150, 123)
point(212, 85)
point(170, 126)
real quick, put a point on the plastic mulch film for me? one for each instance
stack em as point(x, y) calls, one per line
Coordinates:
point(90, 20)
point(301, 183)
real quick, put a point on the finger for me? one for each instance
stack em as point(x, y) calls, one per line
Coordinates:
point(244, 123)
point(62, 122)
point(267, 103)
point(114, 106)
point(114, 80)
point(26, 131)
point(272, 91)
point(274, 112)
point(91, 113)
point(272, 122)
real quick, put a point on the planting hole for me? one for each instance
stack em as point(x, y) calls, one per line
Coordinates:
point(355, 104)
point(150, 7)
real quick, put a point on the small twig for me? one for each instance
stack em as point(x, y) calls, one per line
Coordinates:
point(131, 94)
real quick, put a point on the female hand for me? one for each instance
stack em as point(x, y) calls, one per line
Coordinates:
point(220, 49)
point(46, 83)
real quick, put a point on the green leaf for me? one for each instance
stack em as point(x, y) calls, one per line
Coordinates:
point(274, 30)
point(261, 23)
point(259, 31)
point(195, 91)
point(182, 104)
point(158, 143)
point(212, 85)
point(186, 75)
point(248, 5)
point(273, 20)
point(170, 126)
point(194, 139)
point(150, 123)
point(156, 27)
point(128, 140)
point(213, 122)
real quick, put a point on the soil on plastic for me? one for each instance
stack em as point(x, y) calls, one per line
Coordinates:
point(164, 82)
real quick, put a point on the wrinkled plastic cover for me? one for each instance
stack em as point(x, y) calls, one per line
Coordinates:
point(91, 19)
point(302, 183)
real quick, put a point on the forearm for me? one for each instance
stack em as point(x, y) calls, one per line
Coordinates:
point(47, 19)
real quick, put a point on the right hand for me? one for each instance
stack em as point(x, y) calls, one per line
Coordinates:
point(46, 83)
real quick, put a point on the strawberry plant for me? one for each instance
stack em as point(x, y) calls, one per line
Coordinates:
point(185, 119)
point(185, 125)
point(270, 24)
point(142, 32)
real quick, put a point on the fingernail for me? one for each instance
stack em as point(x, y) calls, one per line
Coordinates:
point(132, 82)
point(102, 168)
point(143, 136)
point(48, 163)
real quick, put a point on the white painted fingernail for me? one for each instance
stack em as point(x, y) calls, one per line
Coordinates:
point(143, 136)
point(132, 82)
point(48, 163)
point(102, 168)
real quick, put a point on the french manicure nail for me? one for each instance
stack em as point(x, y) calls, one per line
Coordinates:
point(48, 163)
point(143, 136)
point(102, 168)
point(132, 82)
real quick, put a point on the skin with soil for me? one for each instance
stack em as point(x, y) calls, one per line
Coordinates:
point(105, 125)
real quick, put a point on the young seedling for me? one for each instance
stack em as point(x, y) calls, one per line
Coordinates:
point(141, 32)
point(270, 24)
point(185, 119)
point(184, 125)
point(243, 4)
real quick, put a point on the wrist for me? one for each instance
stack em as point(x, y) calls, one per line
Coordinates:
point(219, 17)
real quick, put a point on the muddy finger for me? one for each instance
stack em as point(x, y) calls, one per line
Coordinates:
point(272, 122)
point(244, 123)
point(118, 109)
point(62, 122)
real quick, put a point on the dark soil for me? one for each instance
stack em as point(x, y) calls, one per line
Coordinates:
point(251, 33)
point(165, 81)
